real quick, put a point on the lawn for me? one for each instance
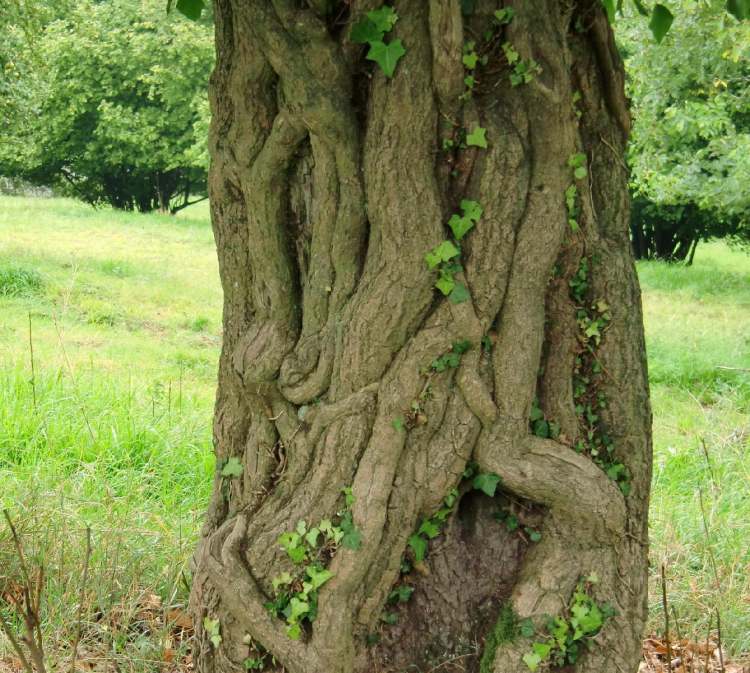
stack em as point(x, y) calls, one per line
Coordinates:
point(111, 428)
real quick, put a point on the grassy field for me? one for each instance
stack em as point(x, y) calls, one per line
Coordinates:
point(112, 428)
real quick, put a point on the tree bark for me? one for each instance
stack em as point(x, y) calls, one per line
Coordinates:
point(329, 184)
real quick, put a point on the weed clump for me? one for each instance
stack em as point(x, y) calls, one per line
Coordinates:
point(15, 281)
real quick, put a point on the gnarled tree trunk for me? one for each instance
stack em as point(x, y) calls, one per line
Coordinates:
point(329, 184)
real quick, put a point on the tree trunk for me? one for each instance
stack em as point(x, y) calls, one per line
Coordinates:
point(343, 366)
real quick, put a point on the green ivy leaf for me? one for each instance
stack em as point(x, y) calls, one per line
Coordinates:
point(445, 284)
point(383, 18)
point(460, 226)
point(459, 294)
point(232, 468)
point(352, 538)
point(477, 138)
point(487, 483)
point(419, 547)
point(294, 631)
point(577, 160)
point(192, 9)
point(441, 253)
point(366, 32)
point(471, 209)
point(401, 594)
point(534, 535)
point(318, 576)
point(532, 661)
point(470, 60)
point(429, 528)
point(661, 20)
point(580, 172)
point(504, 15)
point(386, 56)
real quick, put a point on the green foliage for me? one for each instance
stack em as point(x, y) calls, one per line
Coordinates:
point(441, 256)
point(16, 281)
point(487, 483)
point(452, 358)
point(522, 71)
point(110, 105)
point(192, 9)
point(661, 20)
point(212, 628)
point(232, 467)
point(690, 144)
point(593, 318)
point(371, 29)
point(296, 594)
point(567, 634)
point(477, 138)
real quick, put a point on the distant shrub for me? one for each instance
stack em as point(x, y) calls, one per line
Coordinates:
point(15, 281)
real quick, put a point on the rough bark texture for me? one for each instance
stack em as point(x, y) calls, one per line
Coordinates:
point(329, 183)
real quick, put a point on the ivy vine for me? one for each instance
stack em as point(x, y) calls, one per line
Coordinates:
point(371, 30)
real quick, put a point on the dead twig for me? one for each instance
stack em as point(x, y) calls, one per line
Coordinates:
point(27, 608)
point(666, 617)
point(84, 582)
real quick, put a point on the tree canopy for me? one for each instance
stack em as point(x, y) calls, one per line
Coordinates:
point(108, 101)
point(690, 145)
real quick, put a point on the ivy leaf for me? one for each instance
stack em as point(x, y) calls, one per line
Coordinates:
point(232, 468)
point(534, 535)
point(477, 138)
point(192, 9)
point(445, 284)
point(471, 209)
point(365, 32)
point(740, 9)
point(576, 160)
point(419, 547)
point(401, 594)
point(661, 20)
point(384, 18)
point(459, 294)
point(460, 226)
point(487, 483)
point(294, 632)
point(352, 538)
point(429, 528)
point(386, 55)
point(281, 580)
point(312, 537)
point(318, 576)
point(470, 60)
point(441, 253)
point(532, 661)
point(580, 173)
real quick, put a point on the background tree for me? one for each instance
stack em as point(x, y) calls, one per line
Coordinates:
point(690, 146)
point(112, 106)
point(432, 340)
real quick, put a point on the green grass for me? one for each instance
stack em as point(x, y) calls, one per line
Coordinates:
point(698, 340)
point(114, 433)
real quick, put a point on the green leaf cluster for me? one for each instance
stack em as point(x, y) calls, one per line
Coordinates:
point(452, 358)
point(540, 426)
point(593, 318)
point(296, 594)
point(566, 635)
point(371, 30)
point(443, 257)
